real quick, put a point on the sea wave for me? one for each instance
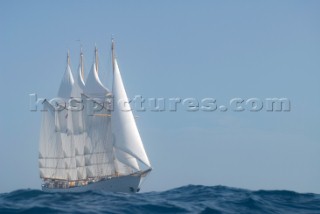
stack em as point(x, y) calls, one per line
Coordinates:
point(186, 199)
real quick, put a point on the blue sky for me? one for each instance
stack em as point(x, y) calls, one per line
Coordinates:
point(217, 49)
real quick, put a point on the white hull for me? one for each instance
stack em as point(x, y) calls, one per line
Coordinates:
point(126, 184)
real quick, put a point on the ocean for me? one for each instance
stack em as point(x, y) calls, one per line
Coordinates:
point(186, 199)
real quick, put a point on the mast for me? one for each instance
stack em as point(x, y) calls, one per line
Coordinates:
point(96, 59)
point(112, 61)
point(113, 57)
point(81, 64)
point(112, 52)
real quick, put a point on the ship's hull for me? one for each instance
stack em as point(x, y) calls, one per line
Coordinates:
point(126, 184)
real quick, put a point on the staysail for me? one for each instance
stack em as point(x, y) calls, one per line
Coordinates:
point(125, 132)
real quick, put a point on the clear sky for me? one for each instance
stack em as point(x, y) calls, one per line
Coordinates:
point(199, 49)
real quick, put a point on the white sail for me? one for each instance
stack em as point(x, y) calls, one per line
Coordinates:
point(51, 159)
point(94, 87)
point(98, 150)
point(78, 85)
point(64, 93)
point(66, 82)
point(64, 124)
point(126, 135)
point(126, 159)
point(77, 122)
point(80, 140)
point(55, 134)
point(75, 103)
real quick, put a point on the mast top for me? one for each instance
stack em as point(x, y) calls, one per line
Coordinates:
point(96, 58)
point(68, 57)
point(112, 53)
point(112, 46)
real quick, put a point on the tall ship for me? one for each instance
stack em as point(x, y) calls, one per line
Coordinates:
point(88, 138)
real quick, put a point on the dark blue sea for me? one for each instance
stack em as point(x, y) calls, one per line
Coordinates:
point(186, 199)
